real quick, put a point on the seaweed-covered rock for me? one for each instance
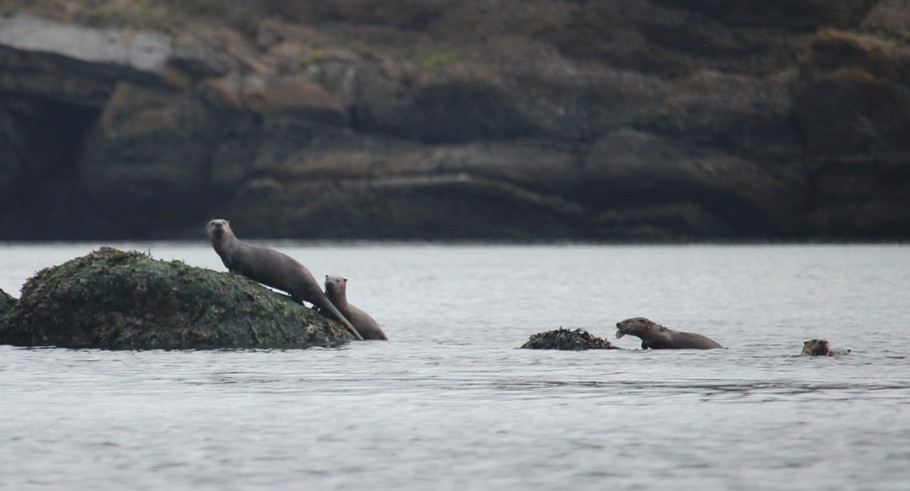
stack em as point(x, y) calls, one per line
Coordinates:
point(113, 299)
point(567, 339)
point(7, 305)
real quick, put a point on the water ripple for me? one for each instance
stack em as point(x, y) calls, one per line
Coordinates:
point(450, 403)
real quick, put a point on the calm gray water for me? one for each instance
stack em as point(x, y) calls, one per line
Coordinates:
point(449, 403)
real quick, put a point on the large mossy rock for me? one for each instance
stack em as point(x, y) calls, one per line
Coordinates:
point(112, 299)
point(567, 339)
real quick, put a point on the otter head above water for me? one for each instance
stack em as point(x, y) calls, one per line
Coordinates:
point(821, 347)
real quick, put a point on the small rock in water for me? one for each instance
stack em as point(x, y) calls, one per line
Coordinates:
point(567, 339)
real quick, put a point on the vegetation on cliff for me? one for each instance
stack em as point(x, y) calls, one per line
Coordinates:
point(536, 119)
point(113, 299)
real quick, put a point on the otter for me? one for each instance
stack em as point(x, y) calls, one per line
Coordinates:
point(656, 336)
point(271, 268)
point(821, 347)
point(336, 290)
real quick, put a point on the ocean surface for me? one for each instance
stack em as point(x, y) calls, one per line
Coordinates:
point(450, 403)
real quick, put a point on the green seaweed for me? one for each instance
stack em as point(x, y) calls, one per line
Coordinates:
point(7, 307)
point(113, 299)
point(567, 339)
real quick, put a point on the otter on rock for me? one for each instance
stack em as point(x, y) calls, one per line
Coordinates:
point(656, 336)
point(336, 290)
point(271, 268)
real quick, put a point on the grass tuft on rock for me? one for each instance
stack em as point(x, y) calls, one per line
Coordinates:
point(113, 299)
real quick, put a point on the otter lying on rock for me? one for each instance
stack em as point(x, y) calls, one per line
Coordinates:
point(656, 336)
point(271, 268)
point(821, 347)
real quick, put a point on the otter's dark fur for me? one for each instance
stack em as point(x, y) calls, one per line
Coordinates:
point(821, 347)
point(656, 336)
point(336, 290)
point(271, 268)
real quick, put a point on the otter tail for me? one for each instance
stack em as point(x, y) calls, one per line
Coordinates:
point(326, 305)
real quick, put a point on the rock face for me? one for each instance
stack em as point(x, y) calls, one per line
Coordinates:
point(655, 120)
point(112, 299)
point(853, 105)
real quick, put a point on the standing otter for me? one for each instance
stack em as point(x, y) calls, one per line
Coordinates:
point(336, 290)
point(656, 336)
point(821, 347)
point(271, 268)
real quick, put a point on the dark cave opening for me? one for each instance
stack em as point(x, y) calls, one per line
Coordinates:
point(54, 135)
point(45, 199)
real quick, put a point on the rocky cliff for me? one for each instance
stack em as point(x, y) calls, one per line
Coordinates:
point(519, 119)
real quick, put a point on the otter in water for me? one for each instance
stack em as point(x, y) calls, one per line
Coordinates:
point(271, 268)
point(656, 336)
point(821, 347)
point(336, 290)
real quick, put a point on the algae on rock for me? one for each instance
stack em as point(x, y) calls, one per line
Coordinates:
point(113, 299)
point(7, 305)
point(566, 339)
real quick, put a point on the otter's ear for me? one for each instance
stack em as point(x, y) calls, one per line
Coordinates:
point(326, 277)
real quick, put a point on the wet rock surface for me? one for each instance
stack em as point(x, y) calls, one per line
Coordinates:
point(112, 299)
point(567, 339)
point(628, 120)
point(7, 306)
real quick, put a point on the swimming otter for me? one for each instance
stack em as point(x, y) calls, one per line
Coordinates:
point(656, 336)
point(336, 290)
point(271, 268)
point(821, 347)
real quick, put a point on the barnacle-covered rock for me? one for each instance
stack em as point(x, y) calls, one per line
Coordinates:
point(114, 299)
point(567, 339)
